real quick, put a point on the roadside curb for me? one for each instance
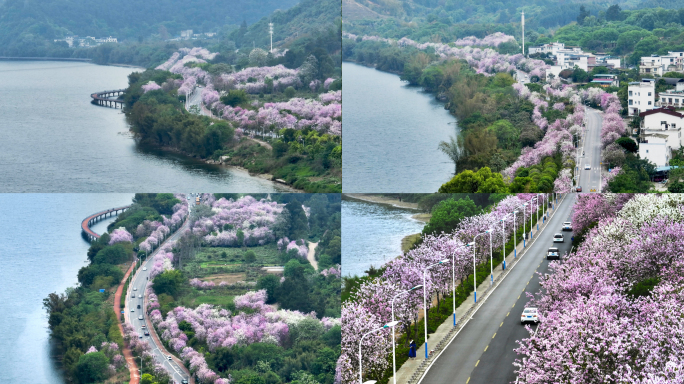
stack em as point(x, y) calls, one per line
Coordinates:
point(420, 372)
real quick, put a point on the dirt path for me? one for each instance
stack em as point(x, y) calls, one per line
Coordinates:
point(312, 255)
point(130, 361)
point(262, 143)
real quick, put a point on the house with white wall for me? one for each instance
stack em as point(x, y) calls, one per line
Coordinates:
point(640, 96)
point(651, 65)
point(657, 152)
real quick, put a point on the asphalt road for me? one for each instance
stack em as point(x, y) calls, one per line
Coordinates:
point(482, 352)
point(137, 288)
point(590, 179)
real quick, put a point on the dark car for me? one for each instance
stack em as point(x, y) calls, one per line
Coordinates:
point(147, 333)
point(138, 306)
point(579, 188)
point(553, 253)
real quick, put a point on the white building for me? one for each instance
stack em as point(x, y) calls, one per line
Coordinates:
point(612, 61)
point(651, 65)
point(186, 35)
point(107, 40)
point(552, 48)
point(640, 96)
point(673, 62)
point(658, 153)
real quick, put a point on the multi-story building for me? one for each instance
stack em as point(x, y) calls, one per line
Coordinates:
point(552, 48)
point(640, 96)
point(661, 133)
point(186, 35)
point(651, 65)
point(673, 62)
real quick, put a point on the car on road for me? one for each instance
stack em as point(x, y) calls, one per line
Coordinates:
point(558, 238)
point(139, 296)
point(140, 317)
point(147, 333)
point(133, 295)
point(579, 188)
point(143, 326)
point(553, 253)
point(567, 226)
point(587, 166)
point(169, 357)
point(184, 381)
point(144, 268)
point(135, 288)
point(138, 306)
point(529, 315)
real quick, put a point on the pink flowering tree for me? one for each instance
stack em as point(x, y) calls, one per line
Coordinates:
point(120, 235)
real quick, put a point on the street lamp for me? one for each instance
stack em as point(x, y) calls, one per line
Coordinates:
point(503, 231)
point(389, 325)
point(394, 351)
point(515, 237)
point(473, 244)
point(531, 216)
point(491, 256)
point(425, 318)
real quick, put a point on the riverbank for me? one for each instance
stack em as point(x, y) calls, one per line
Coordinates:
point(381, 199)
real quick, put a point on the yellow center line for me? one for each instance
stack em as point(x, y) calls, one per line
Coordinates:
point(494, 335)
point(478, 362)
point(518, 296)
point(501, 325)
point(467, 380)
point(508, 314)
point(486, 348)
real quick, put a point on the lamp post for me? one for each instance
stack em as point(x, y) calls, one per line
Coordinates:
point(394, 350)
point(515, 237)
point(472, 244)
point(524, 226)
point(491, 256)
point(503, 231)
point(425, 316)
point(532, 215)
point(389, 325)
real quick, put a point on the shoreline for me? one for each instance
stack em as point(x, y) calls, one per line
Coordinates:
point(69, 59)
point(263, 176)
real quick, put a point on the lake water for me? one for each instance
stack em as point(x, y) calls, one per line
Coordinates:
point(52, 139)
point(372, 233)
point(391, 134)
point(41, 251)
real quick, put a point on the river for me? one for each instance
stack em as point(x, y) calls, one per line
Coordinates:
point(391, 134)
point(55, 140)
point(41, 251)
point(372, 233)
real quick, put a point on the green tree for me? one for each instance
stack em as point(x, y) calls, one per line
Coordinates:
point(451, 149)
point(249, 257)
point(299, 225)
point(628, 144)
point(448, 214)
point(235, 97)
point(494, 184)
point(271, 283)
point(614, 13)
point(583, 13)
point(169, 282)
point(506, 133)
point(92, 367)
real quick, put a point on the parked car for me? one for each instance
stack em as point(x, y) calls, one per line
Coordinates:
point(553, 253)
point(529, 315)
point(579, 188)
point(558, 238)
point(567, 226)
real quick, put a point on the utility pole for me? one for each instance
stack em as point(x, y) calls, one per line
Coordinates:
point(270, 30)
point(523, 33)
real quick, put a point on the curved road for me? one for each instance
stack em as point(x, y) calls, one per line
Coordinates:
point(482, 352)
point(133, 313)
point(590, 180)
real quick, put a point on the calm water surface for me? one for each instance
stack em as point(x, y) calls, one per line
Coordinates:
point(372, 233)
point(41, 251)
point(54, 140)
point(391, 134)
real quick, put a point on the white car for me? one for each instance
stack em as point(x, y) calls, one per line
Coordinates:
point(587, 166)
point(139, 296)
point(135, 288)
point(140, 317)
point(567, 226)
point(169, 357)
point(558, 238)
point(529, 315)
point(144, 268)
point(132, 309)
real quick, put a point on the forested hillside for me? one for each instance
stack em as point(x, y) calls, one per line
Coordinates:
point(28, 27)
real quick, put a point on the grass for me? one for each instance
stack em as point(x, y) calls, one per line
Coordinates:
point(221, 299)
point(211, 257)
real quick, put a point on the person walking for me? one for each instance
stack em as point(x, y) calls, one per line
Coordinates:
point(412, 350)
